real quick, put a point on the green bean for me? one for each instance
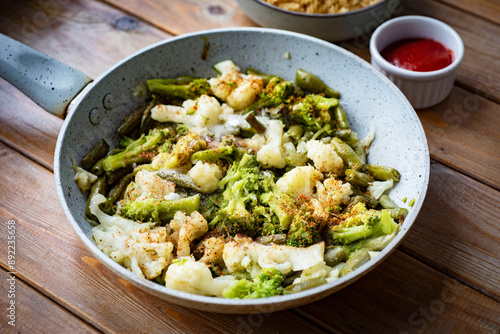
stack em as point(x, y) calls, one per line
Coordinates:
point(308, 135)
point(360, 152)
point(116, 192)
point(147, 123)
point(355, 261)
point(181, 80)
point(254, 123)
point(398, 213)
point(383, 173)
point(335, 255)
point(347, 154)
point(295, 132)
point(131, 121)
point(358, 178)
point(387, 203)
point(278, 239)
point(379, 243)
point(305, 285)
point(265, 77)
point(296, 159)
point(290, 278)
point(179, 179)
point(98, 187)
point(95, 154)
point(344, 134)
point(313, 84)
point(117, 174)
point(412, 202)
point(97, 169)
point(341, 118)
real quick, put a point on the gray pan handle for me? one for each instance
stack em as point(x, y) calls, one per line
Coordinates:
point(48, 82)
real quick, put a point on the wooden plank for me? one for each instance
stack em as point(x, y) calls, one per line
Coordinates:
point(487, 9)
point(181, 16)
point(403, 295)
point(34, 313)
point(463, 133)
point(457, 230)
point(64, 270)
point(27, 127)
point(57, 263)
point(88, 35)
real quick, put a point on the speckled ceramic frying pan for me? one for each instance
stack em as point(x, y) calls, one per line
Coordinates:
point(95, 109)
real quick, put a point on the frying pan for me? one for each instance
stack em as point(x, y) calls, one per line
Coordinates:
point(95, 109)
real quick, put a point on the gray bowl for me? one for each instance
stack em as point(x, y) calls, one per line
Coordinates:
point(369, 99)
point(331, 27)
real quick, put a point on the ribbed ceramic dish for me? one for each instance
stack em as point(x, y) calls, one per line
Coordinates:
point(369, 99)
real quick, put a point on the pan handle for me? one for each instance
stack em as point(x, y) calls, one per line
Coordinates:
point(48, 82)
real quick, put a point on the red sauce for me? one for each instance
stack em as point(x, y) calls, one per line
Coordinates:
point(418, 54)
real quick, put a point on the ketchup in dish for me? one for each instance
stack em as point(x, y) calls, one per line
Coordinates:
point(418, 54)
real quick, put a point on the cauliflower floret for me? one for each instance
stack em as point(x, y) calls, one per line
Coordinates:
point(206, 176)
point(83, 178)
point(324, 157)
point(148, 185)
point(213, 249)
point(190, 276)
point(236, 89)
point(299, 182)
point(329, 195)
point(377, 188)
point(255, 143)
point(188, 228)
point(244, 254)
point(272, 154)
point(200, 112)
point(210, 109)
point(140, 247)
point(335, 190)
point(319, 270)
point(175, 114)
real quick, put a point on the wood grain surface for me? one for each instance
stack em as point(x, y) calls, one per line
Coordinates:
point(55, 262)
point(444, 278)
point(90, 287)
point(30, 304)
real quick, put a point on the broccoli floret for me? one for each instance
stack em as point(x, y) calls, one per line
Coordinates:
point(226, 151)
point(191, 90)
point(363, 224)
point(181, 153)
point(277, 92)
point(305, 229)
point(283, 207)
point(313, 112)
point(142, 150)
point(237, 209)
point(151, 209)
point(266, 284)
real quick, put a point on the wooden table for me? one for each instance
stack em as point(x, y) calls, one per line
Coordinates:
point(444, 278)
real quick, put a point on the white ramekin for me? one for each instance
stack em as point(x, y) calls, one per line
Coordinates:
point(423, 89)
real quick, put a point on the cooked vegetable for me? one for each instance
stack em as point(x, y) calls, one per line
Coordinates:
point(191, 90)
point(310, 82)
point(95, 154)
point(239, 186)
point(266, 284)
point(140, 151)
point(383, 173)
point(159, 210)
